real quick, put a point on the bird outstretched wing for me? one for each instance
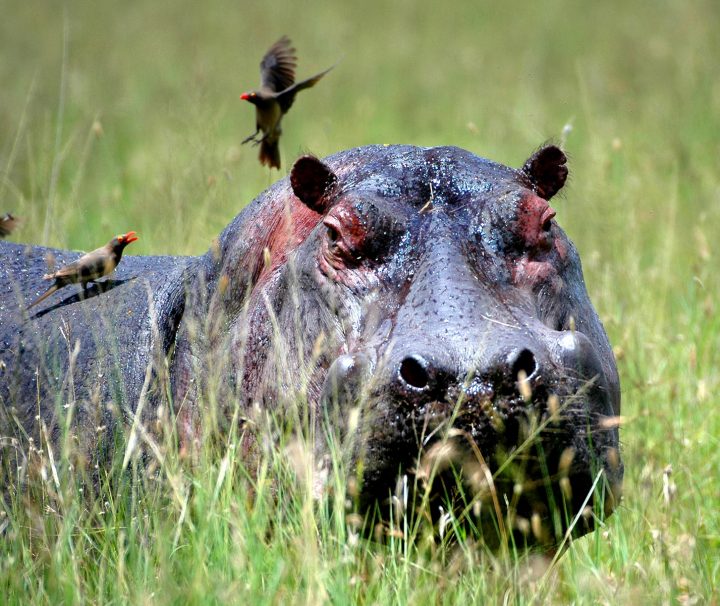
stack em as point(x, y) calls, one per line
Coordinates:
point(286, 97)
point(277, 68)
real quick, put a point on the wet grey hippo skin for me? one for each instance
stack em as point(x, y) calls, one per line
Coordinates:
point(414, 284)
point(110, 324)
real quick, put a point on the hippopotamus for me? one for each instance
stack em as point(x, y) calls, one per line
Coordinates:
point(423, 303)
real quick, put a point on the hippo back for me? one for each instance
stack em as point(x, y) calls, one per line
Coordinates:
point(88, 350)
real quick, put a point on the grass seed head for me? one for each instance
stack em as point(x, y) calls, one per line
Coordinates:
point(522, 524)
point(539, 529)
point(565, 488)
point(524, 386)
point(611, 422)
point(97, 128)
point(553, 405)
point(566, 458)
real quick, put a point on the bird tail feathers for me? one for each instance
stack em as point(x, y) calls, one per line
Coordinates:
point(270, 154)
point(44, 296)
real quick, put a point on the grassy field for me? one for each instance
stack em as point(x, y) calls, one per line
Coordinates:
point(118, 116)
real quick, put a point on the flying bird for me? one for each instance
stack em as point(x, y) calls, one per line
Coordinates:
point(89, 267)
point(275, 97)
point(7, 224)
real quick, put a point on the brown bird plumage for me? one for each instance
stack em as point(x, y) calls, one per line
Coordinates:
point(7, 224)
point(89, 267)
point(275, 97)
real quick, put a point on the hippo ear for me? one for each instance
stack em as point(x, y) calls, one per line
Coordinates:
point(547, 170)
point(313, 182)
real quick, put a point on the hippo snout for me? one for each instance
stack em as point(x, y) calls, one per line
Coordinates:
point(422, 372)
point(417, 372)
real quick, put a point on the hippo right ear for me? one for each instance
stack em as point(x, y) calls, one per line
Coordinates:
point(547, 170)
point(313, 182)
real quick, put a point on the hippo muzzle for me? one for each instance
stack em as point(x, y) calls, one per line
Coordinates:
point(523, 422)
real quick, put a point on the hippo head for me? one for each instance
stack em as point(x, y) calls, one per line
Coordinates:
point(444, 324)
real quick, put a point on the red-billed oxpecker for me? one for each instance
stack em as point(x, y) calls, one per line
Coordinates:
point(89, 267)
point(7, 224)
point(275, 97)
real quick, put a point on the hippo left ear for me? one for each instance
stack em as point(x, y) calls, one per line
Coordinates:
point(313, 182)
point(547, 170)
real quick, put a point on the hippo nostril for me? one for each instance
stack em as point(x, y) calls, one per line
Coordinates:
point(413, 371)
point(524, 361)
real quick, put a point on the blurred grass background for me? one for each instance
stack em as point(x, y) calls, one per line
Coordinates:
point(118, 116)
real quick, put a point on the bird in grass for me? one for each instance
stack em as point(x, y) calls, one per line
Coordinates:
point(275, 97)
point(7, 224)
point(89, 267)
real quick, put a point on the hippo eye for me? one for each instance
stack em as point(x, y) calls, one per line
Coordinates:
point(334, 246)
point(344, 243)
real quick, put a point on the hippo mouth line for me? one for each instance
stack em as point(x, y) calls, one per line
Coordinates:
point(500, 506)
point(507, 467)
point(533, 489)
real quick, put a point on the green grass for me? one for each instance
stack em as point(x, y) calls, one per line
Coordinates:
point(118, 116)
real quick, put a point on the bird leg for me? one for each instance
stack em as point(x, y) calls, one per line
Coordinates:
point(252, 138)
point(85, 290)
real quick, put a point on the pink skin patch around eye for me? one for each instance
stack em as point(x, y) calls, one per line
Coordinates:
point(351, 229)
point(526, 272)
point(532, 222)
point(533, 214)
point(352, 234)
point(561, 248)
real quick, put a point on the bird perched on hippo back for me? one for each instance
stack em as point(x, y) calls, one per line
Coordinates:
point(90, 267)
point(275, 97)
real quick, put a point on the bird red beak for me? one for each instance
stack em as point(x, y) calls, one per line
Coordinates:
point(130, 237)
point(245, 96)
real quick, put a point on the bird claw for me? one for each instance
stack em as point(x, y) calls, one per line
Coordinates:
point(252, 138)
point(255, 140)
